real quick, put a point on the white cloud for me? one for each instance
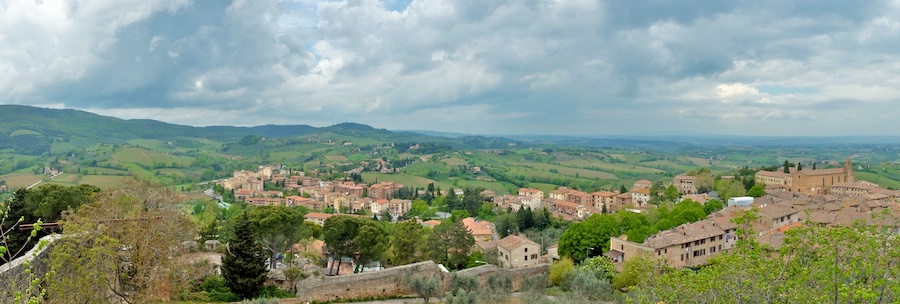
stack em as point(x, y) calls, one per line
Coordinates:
point(546, 66)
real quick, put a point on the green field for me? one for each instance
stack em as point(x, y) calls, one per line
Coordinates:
point(25, 132)
point(583, 173)
point(21, 180)
point(149, 158)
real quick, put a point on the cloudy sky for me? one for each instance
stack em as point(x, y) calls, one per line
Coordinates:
point(655, 67)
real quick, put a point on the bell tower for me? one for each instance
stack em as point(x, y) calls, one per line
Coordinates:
point(848, 171)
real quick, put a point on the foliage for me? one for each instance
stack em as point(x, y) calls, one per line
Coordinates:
point(712, 205)
point(585, 287)
point(363, 239)
point(122, 247)
point(534, 286)
point(243, 265)
point(757, 190)
point(407, 242)
point(45, 203)
point(729, 188)
point(594, 233)
point(635, 270)
point(279, 228)
point(449, 244)
point(560, 269)
point(28, 288)
point(600, 266)
point(461, 281)
point(671, 193)
point(424, 286)
point(497, 289)
point(853, 264)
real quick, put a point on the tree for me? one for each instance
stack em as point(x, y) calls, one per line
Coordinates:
point(450, 243)
point(339, 234)
point(407, 242)
point(278, 229)
point(371, 241)
point(243, 265)
point(123, 247)
point(814, 165)
point(622, 189)
point(729, 188)
point(712, 205)
point(671, 193)
point(45, 203)
point(524, 218)
point(787, 166)
point(425, 287)
point(757, 191)
point(595, 232)
point(704, 180)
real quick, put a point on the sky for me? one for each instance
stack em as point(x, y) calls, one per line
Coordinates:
point(568, 67)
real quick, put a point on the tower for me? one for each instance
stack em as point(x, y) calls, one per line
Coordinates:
point(848, 171)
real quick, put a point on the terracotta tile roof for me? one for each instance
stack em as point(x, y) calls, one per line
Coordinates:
point(511, 242)
point(864, 185)
point(604, 193)
point(685, 233)
point(823, 171)
point(431, 223)
point(318, 215)
point(477, 227)
point(724, 222)
point(821, 217)
point(529, 190)
point(645, 191)
point(778, 173)
point(777, 210)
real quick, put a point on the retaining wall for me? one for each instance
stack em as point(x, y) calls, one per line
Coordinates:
point(389, 282)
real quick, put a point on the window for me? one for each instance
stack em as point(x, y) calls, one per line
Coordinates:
point(526, 257)
point(666, 250)
point(682, 257)
point(526, 249)
point(534, 257)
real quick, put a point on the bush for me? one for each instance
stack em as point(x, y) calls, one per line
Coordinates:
point(559, 269)
point(461, 297)
point(274, 292)
point(601, 266)
point(497, 290)
point(534, 287)
point(586, 286)
point(464, 282)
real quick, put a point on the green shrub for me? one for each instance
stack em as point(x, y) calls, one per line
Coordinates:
point(274, 292)
point(559, 269)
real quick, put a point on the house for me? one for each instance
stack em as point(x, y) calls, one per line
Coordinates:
point(384, 190)
point(317, 217)
point(640, 196)
point(642, 184)
point(778, 215)
point(688, 245)
point(604, 198)
point(685, 184)
point(530, 198)
point(380, 206)
point(515, 251)
point(482, 231)
point(398, 207)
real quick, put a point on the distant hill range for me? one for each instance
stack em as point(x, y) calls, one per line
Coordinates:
point(32, 130)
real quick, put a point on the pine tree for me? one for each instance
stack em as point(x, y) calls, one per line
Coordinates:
point(787, 167)
point(244, 264)
point(799, 166)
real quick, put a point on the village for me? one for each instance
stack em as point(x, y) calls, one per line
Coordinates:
point(793, 196)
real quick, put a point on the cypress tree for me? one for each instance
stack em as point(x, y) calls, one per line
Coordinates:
point(244, 264)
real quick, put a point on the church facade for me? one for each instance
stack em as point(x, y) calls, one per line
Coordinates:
point(807, 181)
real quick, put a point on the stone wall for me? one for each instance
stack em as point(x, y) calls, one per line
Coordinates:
point(382, 283)
point(389, 282)
point(12, 274)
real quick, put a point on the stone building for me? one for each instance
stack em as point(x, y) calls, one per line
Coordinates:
point(807, 181)
point(515, 251)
